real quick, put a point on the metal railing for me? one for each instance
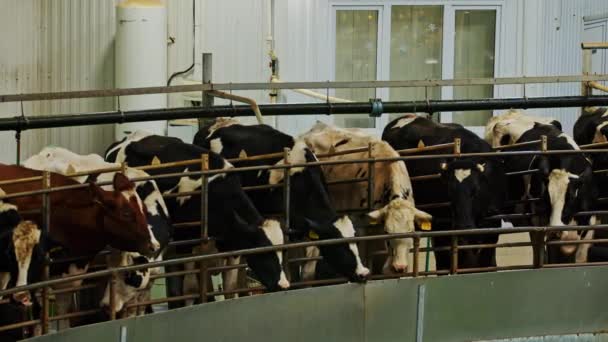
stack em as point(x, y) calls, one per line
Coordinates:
point(202, 260)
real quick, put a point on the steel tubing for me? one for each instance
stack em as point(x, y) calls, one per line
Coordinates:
point(21, 123)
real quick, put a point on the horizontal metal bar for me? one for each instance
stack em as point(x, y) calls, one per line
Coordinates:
point(462, 232)
point(425, 177)
point(425, 148)
point(300, 85)
point(19, 325)
point(75, 314)
point(522, 144)
point(21, 123)
point(347, 181)
point(595, 145)
point(594, 45)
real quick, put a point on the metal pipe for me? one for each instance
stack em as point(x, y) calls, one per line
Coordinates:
point(53, 121)
point(297, 85)
point(251, 102)
point(204, 225)
point(454, 256)
point(598, 86)
point(46, 221)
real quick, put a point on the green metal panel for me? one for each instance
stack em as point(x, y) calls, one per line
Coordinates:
point(390, 310)
point(514, 304)
point(476, 307)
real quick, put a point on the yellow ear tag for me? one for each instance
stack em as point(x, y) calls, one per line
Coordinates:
point(155, 161)
point(312, 235)
point(425, 225)
point(373, 222)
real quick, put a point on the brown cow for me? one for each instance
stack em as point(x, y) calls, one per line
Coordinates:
point(83, 221)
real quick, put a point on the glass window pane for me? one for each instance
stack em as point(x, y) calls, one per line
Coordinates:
point(416, 50)
point(356, 52)
point(473, 58)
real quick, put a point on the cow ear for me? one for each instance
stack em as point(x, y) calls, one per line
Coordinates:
point(122, 183)
point(99, 195)
point(377, 215)
point(70, 169)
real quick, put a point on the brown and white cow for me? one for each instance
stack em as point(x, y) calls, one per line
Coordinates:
point(84, 221)
point(60, 160)
point(393, 200)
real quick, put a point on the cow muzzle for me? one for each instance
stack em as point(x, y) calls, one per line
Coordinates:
point(569, 235)
point(23, 298)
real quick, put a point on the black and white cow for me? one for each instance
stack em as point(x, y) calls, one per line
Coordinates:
point(233, 219)
point(19, 249)
point(475, 187)
point(565, 184)
point(310, 208)
point(60, 160)
point(590, 128)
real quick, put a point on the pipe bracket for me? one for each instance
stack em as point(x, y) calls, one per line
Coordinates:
point(376, 108)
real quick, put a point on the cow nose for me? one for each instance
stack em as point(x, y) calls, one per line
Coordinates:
point(23, 298)
point(284, 284)
point(399, 268)
point(362, 274)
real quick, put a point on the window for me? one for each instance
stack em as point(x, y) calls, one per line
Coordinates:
point(474, 58)
point(416, 50)
point(423, 42)
point(356, 59)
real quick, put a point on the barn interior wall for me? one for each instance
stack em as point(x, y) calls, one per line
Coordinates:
point(62, 45)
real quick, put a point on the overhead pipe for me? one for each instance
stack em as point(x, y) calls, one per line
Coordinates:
point(251, 102)
point(35, 122)
point(313, 94)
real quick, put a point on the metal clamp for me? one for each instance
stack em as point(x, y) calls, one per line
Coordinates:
point(376, 108)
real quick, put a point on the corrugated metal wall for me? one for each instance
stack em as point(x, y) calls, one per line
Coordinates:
point(62, 45)
point(56, 45)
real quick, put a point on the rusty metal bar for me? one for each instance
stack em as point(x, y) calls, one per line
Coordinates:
point(303, 85)
point(425, 148)
point(464, 232)
point(204, 224)
point(425, 177)
point(522, 144)
point(286, 206)
point(454, 256)
point(21, 180)
point(416, 255)
point(347, 181)
point(594, 145)
point(112, 284)
point(19, 325)
point(46, 221)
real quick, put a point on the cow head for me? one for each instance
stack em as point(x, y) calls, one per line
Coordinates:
point(127, 284)
point(311, 210)
point(568, 194)
point(268, 267)
point(123, 217)
point(399, 216)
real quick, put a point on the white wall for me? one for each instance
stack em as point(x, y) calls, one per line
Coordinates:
point(538, 38)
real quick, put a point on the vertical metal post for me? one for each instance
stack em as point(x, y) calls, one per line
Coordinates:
point(112, 284)
point(454, 259)
point(457, 145)
point(587, 68)
point(543, 143)
point(371, 177)
point(287, 206)
point(416, 253)
point(539, 258)
point(202, 276)
point(206, 100)
point(123, 168)
point(46, 220)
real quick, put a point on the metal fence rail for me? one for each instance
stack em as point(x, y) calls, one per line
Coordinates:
point(201, 260)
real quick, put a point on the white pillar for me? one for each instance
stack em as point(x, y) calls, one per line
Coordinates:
point(141, 59)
